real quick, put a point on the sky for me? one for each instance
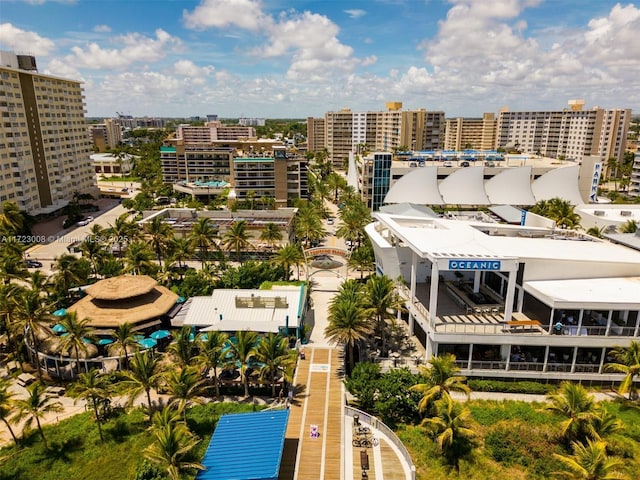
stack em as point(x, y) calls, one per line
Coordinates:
point(300, 58)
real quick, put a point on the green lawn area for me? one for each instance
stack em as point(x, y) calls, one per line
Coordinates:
point(76, 452)
point(516, 441)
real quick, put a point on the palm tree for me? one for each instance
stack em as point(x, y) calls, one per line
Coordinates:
point(453, 433)
point(308, 222)
point(184, 386)
point(37, 404)
point(183, 347)
point(93, 251)
point(336, 183)
point(123, 339)
point(575, 404)
point(95, 388)
point(271, 234)
point(160, 235)
point(11, 267)
point(202, 235)
point(273, 352)
point(347, 325)
point(627, 361)
point(7, 407)
point(70, 272)
point(78, 332)
point(288, 256)
point(630, 226)
point(362, 259)
point(236, 238)
point(244, 350)
point(138, 258)
point(162, 418)
point(442, 378)
point(33, 314)
point(11, 219)
point(9, 308)
point(381, 301)
point(180, 250)
point(172, 444)
point(123, 231)
point(590, 462)
point(210, 356)
point(144, 374)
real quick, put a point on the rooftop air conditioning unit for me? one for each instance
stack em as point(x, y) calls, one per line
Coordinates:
point(625, 213)
point(599, 213)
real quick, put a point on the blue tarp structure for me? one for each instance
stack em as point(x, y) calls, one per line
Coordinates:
point(246, 446)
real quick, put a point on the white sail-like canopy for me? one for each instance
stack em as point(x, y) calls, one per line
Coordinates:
point(418, 186)
point(352, 172)
point(560, 182)
point(465, 187)
point(512, 186)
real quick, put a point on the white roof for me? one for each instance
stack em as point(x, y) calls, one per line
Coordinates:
point(219, 311)
point(511, 186)
point(439, 237)
point(419, 186)
point(588, 293)
point(464, 187)
point(561, 182)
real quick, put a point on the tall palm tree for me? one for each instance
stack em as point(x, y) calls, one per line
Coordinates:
point(171, 447)
point(203, 234)
point(308, 223)
point(11, 219)
point(11, 267)
point(362, 259)
point(347, 326)
point(627, 361)
point(183, 347)
point(578, 407)
point(9, 308)
point(273, 353)
point(69, 272)
point(123, 232)
point(244, 351)
point(93, 251)
point(442, 378)
point(211, 354)
point(185, 387)
point(95, 388)
point(271, 234)
point(181, 250)
point(143, 375)
point(123, 341)
point(37, 404)
point(590, 462)
point(236, 238)
point(78, 333)
point(160, 235)
point(288, 256)
point(33, 314)
point(454, 435)
point(336, 183)
point(381, 301)
point(138, 258)
point(7, 407)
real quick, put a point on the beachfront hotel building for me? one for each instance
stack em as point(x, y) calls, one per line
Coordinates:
point(44, 143)
point(471, 133)
point(508, 300)
point(571, 134)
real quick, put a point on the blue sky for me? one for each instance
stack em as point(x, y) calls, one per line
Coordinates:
point(288, 58)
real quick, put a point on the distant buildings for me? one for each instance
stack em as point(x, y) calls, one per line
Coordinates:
point(106, 135)
point(634, 184)
point(44, 143)
point(471, 133)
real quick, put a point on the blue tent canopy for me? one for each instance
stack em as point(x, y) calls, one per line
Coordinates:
point(246, 446)
point(58, 328)
point(158, 334)
point(148, 342)
point(105, 341)
point(60, 313)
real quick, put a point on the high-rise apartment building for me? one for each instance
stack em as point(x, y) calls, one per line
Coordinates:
point(570, 134)
point(45, 147)
point(374, 178)
point(471, 133)
point(105, 135)
point(634, 183)
point(384, 131)
point(316, 139)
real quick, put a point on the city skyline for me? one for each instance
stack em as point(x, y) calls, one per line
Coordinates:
point(282, 58)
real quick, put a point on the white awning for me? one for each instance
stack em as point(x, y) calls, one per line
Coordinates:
point(419, 186)
point(465, 187)
point(561, 182)
point(511, 186)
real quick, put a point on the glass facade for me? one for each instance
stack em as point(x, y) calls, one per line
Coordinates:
point(381, 178)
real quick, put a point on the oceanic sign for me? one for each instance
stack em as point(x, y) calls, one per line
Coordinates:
point(474, 264)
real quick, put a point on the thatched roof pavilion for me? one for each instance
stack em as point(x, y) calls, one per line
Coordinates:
point(137, 299)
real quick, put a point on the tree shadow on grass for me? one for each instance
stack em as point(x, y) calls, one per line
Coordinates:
point(59, 450)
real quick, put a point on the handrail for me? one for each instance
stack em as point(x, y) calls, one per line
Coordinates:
point(378, 424)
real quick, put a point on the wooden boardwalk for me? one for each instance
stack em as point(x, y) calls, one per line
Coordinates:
point(318, 401)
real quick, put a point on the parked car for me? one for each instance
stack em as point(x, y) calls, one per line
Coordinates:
point(330, 220)
point(447, 163)
point(85, 221)
point(34, 264)
point(464, 164)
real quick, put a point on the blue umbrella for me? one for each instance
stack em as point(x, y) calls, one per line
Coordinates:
point(204, 337)
point(86, 340)
point(181, 300)
point(148, 342)
point(158, 334)
point(60, 313)
point(138, 337)
point(105, 341)
point(58, 328)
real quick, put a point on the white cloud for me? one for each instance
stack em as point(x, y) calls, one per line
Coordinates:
point(246, 14)
point(102, 28)
point(137, 48)
point(355, 13)
point(23, 41)
point(63, 69)
point(41, 2)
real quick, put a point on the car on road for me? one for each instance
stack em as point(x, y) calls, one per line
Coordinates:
point(34, 264)
point(464, 164)
point(330, 220)
point(85, 221)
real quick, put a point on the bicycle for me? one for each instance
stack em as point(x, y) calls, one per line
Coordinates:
point(362, 430)
point(362, 442)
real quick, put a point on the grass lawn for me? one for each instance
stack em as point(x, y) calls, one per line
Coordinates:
point(76, 453)
point(516, 441)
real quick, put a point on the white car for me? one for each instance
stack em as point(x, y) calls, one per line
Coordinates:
point(85, 221)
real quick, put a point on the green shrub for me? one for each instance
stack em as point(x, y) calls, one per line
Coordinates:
point(511, 387)
point(147, 471)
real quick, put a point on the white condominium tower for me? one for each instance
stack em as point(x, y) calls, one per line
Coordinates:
point(45, 146)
